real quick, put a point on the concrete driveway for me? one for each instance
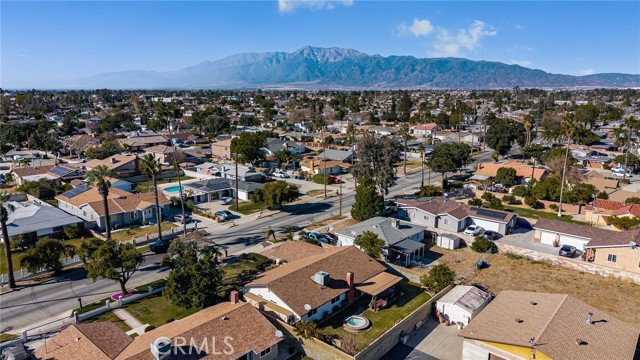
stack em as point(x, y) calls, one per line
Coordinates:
point(431, 341)
point(525, 240)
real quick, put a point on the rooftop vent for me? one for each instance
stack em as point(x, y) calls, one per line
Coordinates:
point(161, 348)
point(580, 342)
point(518, 320)
point(225, 317)
point(590, 318)
point(533, 302)
point(321, 277)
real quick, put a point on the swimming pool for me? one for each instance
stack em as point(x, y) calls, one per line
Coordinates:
point(173, 189)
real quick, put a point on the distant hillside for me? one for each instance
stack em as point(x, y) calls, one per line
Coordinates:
point(337, 68)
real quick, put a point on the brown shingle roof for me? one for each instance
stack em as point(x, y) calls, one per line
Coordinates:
point(491, 169)
point(556, 321)
point(293, 250)
point(91, 195)
point(292, 282)
point(161, 149)
point(96, 341)
point(143, 140)
point(249, 330)
point(30, 171)
point(438, 206)
point(596, 236)
point(119, 161)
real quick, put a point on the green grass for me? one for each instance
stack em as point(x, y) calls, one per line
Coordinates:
point(536, 214)
point(7, 337)
point(146, 186)
point(248, 207)
point(110, 317)
point(156, 310)
point(129, 234)
point(382, 320)
point(16, 255)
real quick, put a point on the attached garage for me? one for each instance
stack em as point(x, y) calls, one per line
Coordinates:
point(549, 237)
point(488, 225)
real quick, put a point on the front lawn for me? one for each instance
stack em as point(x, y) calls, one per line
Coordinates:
point(128, 234)
point(7, 337)
point(156, 310)
point(146, 186)
point(382, 320)
point(248, 207)
point(110, 316)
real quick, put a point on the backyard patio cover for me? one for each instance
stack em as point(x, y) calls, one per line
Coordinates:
point(407, 246)
point(378, 283)
point(479, 177)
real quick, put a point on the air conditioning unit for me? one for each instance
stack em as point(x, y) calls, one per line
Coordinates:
point(321, 277)
point(161, 348)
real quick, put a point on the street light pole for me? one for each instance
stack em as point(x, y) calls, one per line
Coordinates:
point(324, 161)
point(175, 162)
point(236, 158)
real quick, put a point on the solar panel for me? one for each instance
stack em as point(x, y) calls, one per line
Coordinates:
point(75, 192)
point(59, 170)
point(490, 213)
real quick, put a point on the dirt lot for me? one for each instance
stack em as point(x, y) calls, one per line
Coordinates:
point(620, 299)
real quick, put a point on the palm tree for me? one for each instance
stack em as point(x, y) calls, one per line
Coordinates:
point(567, 129)
point(151, 167)
point(405, 134)
point(289, 231)
point(99, 178)
point(5, 208)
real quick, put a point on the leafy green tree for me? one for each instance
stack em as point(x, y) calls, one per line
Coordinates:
point(5, 208)
point(376, 158)
point(510, 199)
point(503, 134)
point(580, 194)
point(602, 195)
point(370, 243)
point(404, 106)
point(277, 193)
point(105, 150)
point(624, 222)
point(46, 255)
point(111, 260)
point(534, 151)
point(307, 329)
point(368, 203)
point(151, 167)
point(474, 201)
point(632, 200)
point(195, 277)
point(586, 115)
point(42, 189)
point(320, 179)
point(249, 147)
point(430, 190)
point(98, 177)
point(531, 201)
point(71, 231)
point(506, 176)
point(438, 278)
point(482, 245)
point(449, 157)
point(630, 159)
point(520, 190)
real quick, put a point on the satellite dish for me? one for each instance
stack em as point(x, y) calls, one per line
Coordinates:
point(279, 334)
point(307, 307)
point(633, 244)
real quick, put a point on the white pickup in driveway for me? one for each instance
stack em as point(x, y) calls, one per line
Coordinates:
point(432, 341)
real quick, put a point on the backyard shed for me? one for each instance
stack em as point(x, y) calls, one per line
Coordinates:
point(462, 303)
point(448, 241)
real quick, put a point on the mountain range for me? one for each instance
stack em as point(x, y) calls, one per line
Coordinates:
point(339, 68)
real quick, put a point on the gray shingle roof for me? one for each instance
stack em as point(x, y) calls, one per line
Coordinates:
point(384, 228)
point(31, 218)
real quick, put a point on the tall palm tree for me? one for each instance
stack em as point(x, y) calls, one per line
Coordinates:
point(567, 129)
point(151, 167)
point(405, 134)
point(99, 178)
point(5, 208)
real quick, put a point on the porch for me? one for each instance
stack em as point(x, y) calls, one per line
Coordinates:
point(406, 252)
point(381, 289)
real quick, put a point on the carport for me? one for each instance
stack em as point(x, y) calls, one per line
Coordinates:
point(409, 249)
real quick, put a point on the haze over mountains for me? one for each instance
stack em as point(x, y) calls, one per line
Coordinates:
point(338, 68)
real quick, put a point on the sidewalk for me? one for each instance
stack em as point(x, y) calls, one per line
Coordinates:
point(129, 319)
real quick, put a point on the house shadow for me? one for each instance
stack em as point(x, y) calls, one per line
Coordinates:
point(306, 209)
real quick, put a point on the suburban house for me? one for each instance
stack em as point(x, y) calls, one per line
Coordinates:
point(214, 189)
point(441, 213)
point(337, 155)
point(316, 286)
point(382, 130)
point(523, 172)
point(56, 173)
point(43, 220)
point(121, 164)
point(221, 149)
point(228, 171)
point(275, 144)
point(619, 252)
point(533, 325)
point(403, 240)
point(166, 154)
point(125, 208)
point(115, 183)
point(318, 166)
point(78, 144)
point(226, 331)
point(601, 183)
point(139, 143)
point(555, 232)
point(600, 211)
point(424, 130)
point(462, 303)
point(292, 250)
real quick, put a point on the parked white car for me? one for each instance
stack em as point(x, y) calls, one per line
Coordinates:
point(281, 174)
point(620, 174)
point(225, 200)
point(473, 230)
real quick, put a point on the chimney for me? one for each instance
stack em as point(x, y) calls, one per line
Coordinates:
point(113, 160)
point(351, 295)
point(234, 297)
point(589, 318)
point(396, 223)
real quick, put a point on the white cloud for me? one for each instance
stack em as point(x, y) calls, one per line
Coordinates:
point(587, 72)
point(469, 39)
point(525, 63)
point(287, 6)
point(518, 27)
point(418, 28)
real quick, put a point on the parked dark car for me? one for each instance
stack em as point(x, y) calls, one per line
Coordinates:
point(491, 235)
point(160, 246)
point(567, 251)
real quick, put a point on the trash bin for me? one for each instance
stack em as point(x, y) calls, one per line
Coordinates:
point(480, 264)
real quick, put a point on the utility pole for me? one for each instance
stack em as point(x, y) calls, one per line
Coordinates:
point(236, 158)
point(626, 155)
point(175, 163)
point(324, 160)
point(340, 197)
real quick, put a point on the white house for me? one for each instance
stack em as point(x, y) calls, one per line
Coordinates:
point(424, 129)
point(462, 303)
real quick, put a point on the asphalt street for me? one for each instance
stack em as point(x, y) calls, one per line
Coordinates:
point(35, 303)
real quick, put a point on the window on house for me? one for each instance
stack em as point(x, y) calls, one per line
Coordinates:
point(612, 258)
point(445, 221)
point(135, 214)
point(335, 300)
point(84, 213)
point(265, 352)
point(114, 217)
point(312, 312)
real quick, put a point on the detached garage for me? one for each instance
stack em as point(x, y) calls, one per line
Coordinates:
point(495, 220)
point(462, 303)
point(549, 231)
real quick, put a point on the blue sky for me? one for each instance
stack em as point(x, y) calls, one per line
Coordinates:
point(44, 44)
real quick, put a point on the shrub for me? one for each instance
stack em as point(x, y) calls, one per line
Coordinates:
point(71, 231)
point(510, 199)
point(307, 329)
point(553, 207)
point(602, 195)
point(430, 190)
point(520, 190)
point(494, 203)
point(482, 245)
point(475, 201)
point(320, 178)
point(531, 201)
point(513, 256)
point(488, 196)
point(438, 278)
point(23, 241)
point(632, 200)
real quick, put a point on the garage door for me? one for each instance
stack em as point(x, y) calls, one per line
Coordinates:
point(487, 225)
point(547, 237)
point(573, 241)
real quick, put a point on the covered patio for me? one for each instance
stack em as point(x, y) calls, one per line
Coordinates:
point(269, 308)
point(407, 251)
point(382, 289)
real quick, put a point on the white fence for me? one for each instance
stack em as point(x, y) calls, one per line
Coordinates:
point(110, 305)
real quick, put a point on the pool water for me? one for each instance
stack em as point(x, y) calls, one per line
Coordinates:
point(173, 189)
point(355, 322)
